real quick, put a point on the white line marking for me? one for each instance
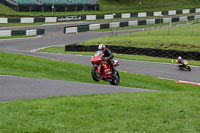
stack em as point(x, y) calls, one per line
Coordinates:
point(4, 75)
point(188, 81)
point(20, 38)
point(37, 49)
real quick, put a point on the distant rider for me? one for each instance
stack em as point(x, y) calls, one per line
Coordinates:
point(180, 60)
point(107, 55)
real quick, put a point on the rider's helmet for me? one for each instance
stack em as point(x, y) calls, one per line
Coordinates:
point(102, 47)
point(179, 58)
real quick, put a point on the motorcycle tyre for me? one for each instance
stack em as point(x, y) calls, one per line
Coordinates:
point(113, 81)
point(94, 75)
point(189, 68)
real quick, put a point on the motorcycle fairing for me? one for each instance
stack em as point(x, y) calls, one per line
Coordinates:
point(107, 73)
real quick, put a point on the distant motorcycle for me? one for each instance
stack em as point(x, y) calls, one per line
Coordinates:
point(184, 65)
point(101, 70)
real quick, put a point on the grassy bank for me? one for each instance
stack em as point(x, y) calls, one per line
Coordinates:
point(179, 38)
point(61, 49)
point(174, 108)
point(150, 112)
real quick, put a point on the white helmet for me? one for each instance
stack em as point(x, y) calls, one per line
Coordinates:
point(179, 58)
point(102, 47)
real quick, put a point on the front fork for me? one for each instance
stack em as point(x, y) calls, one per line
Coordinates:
point(98, 68)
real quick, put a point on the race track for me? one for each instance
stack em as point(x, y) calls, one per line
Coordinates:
point(51, 38)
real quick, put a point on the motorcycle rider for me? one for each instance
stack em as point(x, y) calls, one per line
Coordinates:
point(180, 60)
point(107, 55)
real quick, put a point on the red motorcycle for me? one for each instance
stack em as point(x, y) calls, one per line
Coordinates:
point(101, 70)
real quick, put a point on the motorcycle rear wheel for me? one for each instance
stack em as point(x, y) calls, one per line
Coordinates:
point(95, 75)
point(115, 79)
point(188, 68)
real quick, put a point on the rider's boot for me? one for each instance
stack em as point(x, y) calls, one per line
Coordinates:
point(113, 70)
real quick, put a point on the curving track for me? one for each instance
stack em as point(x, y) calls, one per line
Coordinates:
point(45, 88)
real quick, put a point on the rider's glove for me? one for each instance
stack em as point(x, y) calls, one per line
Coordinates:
point(106, 58)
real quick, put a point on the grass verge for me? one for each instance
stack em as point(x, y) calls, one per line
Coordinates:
point(12, 37)
point(60, 49)
point(130, 112)
point(174, 108)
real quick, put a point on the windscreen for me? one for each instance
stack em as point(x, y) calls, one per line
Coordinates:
point(98, 53)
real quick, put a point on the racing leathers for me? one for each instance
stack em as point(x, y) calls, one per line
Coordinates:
point(108, 54)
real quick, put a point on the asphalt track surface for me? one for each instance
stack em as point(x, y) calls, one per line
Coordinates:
point(25, 88)
point(13, 87)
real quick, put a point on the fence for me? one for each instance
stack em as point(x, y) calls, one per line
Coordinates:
point(137, 51)
point(184, 26)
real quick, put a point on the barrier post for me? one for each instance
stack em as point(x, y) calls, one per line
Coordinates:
point(111, 31)
point(172, 61)
point(148, 30)
point(169, 28)
point(132, 30)
point(192, 28)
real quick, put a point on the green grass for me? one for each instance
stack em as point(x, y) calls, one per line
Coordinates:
point(150, 5)
point(61, 49)
point(20, 24)
point(12, 37)
point(174, 108)
point(152, 112)
point(112, 6)
point(180, 38)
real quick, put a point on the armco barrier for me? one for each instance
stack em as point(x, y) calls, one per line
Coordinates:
point(39, 20)
point(83, 28)
point(29, 32)
point(40, 31)
point(104, 16)
point(14, 20)
point(137, 51)
point(18, 32)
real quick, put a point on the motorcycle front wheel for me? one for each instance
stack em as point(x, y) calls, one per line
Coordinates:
point(96, 76)
point(115, 79)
